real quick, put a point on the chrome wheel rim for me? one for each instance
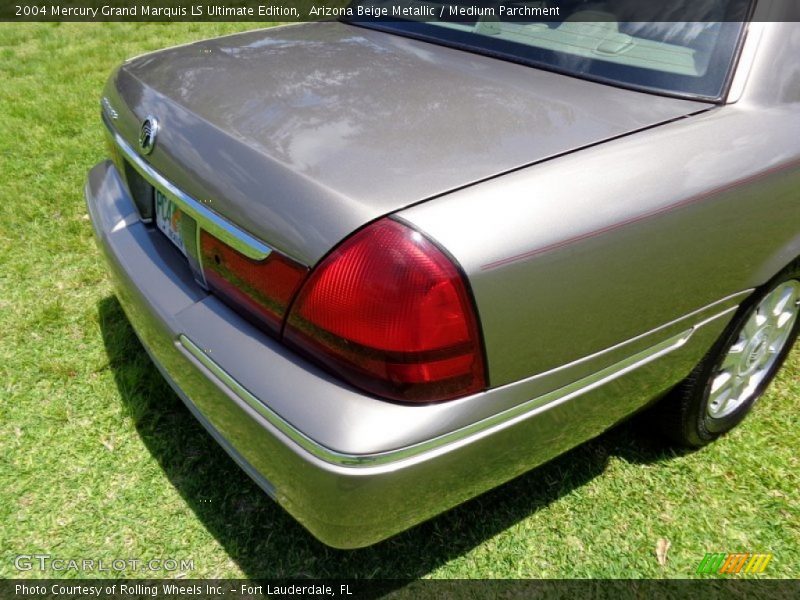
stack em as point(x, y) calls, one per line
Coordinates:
point(752, 358)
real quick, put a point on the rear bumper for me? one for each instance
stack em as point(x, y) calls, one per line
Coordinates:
point(272, 411)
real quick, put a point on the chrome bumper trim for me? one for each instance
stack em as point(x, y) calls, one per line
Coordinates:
point(206, 219)
point(459, 437)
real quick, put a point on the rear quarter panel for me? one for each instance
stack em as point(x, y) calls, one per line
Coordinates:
point(576, 254)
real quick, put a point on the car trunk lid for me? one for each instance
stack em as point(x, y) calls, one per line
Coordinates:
point(302, 134)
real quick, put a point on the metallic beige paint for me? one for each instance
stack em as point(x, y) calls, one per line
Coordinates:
point(608, 236)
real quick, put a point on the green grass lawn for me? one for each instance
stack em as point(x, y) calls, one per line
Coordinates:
point(100, 459)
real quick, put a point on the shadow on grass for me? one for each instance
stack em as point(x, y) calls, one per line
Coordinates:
point(267, 543)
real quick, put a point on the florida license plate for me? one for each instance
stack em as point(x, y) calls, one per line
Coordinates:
point(168, 219)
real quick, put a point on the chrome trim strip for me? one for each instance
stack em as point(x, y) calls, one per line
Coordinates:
point(738, 296)
point(459, 437)
point(274, 418)
point(206, 219)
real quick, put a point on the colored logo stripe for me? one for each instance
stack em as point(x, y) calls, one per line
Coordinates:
point(734, 563)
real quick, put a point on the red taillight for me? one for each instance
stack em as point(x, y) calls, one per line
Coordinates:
point(390, 313)
point(260, 290)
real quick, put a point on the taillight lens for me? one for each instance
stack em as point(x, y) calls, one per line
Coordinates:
point(260, 290)
point(390, 313)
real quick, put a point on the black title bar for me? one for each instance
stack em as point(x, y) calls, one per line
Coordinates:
point(416, 10)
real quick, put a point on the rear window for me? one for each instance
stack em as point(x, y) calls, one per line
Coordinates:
point(624, 42)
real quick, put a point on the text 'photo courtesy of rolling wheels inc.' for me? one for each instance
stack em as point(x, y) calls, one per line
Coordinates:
point(398, 299)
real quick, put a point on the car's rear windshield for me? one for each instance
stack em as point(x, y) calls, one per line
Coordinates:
point(616, 41)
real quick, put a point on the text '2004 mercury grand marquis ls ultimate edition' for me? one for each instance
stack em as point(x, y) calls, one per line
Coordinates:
point(392, 264)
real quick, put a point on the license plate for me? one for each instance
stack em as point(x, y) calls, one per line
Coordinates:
point(168, 219)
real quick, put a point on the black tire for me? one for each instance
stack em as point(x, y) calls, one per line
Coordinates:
point(684, 415)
